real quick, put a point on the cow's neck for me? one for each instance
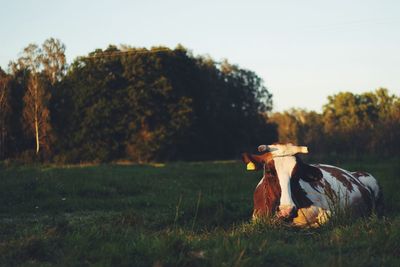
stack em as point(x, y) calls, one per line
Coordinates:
point(284, 167)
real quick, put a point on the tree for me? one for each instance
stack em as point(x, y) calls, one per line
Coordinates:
point(53, 59)
point(35, 113)
point(45, 66)
point(350, 124)
point(288, 126)
point(386, 132)
point(158, 104)
point(90, 109)
point(17, 140)
point(4, 112)
point(228, 104)
point(361, 123)
point(299, 126)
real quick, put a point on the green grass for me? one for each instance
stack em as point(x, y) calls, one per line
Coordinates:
point(180, 214)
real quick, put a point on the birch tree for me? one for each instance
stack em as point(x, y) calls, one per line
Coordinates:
point(53, 59)
point(35, 113)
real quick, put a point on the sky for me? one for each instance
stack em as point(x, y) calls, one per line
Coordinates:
point(304, 50)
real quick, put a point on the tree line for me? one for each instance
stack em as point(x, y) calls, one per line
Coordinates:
point(129, 103)
point(350, 124)
point(166, 104)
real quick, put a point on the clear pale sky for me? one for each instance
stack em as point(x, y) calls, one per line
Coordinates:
point(304, 50)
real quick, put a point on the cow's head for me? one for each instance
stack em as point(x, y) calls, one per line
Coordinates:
point(280, 157)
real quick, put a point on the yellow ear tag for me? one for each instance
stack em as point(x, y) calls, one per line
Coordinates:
point(250, 166)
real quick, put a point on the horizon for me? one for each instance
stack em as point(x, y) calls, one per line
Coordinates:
point(304, 53)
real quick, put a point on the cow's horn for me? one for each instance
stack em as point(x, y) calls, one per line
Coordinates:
point(286, 150)
point(302, 149)
point(262, 148)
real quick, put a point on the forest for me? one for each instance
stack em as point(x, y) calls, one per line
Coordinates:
point(350, 124)
point(162, 104)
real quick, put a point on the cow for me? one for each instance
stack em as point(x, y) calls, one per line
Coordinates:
point(308, 194)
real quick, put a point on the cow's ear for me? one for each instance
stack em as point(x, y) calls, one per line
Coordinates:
point(245, 158)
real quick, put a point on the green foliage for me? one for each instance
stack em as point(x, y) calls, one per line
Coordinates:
point(300, 127)
point(33, 76)
point(157, 104)
point(145, 215)
point(17, 141)
point(164, 104)
point(5, 113)
point(350, 123)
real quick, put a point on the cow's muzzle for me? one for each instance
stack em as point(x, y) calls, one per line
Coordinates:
point(286, 212)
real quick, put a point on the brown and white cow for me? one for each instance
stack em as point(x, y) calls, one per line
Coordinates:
point(307, 195)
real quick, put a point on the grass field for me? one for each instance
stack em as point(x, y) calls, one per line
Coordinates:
point(178, 214)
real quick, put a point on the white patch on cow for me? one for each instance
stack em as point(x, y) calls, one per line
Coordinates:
point(260, 182)
point(318, 198)
point(370, 182)
point(346, 196)
point(284, 167)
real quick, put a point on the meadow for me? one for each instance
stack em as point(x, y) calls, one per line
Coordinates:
point(177, 214)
